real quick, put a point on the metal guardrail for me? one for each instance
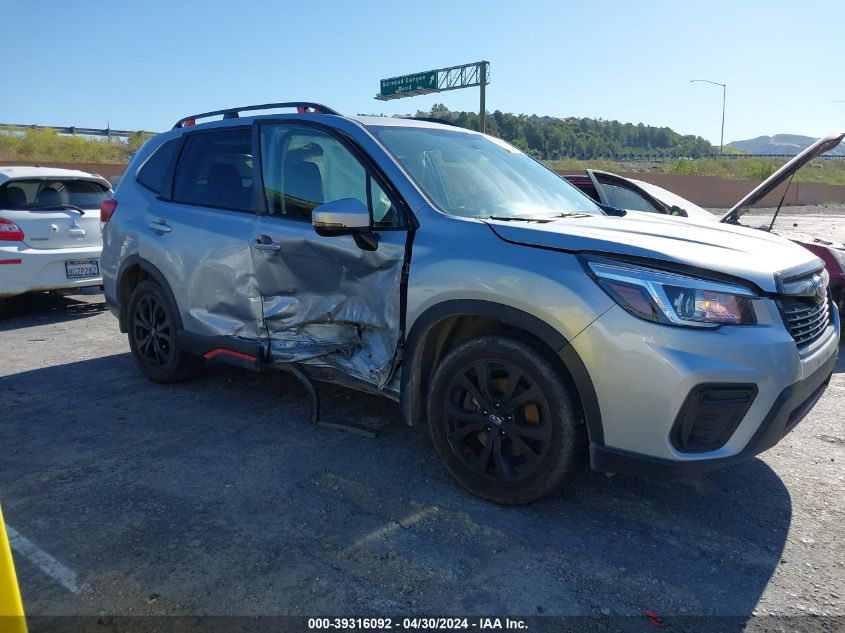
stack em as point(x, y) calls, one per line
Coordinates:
point(86, 131)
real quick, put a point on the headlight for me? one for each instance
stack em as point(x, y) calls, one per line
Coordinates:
point(664, 297)
point(839, 256)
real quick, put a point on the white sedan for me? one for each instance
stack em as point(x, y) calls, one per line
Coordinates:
point(50, 236)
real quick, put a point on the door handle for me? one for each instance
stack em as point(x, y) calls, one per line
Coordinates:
point(265, 243)
point(159, 226)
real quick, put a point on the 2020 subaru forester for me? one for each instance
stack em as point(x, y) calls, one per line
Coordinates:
point(530, 329)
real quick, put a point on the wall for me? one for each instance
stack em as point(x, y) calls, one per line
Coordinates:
point(717, 193)
point(706, 191)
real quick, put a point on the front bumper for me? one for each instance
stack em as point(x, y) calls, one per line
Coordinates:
point(643, 373)
point(33, 270)
point(789, 409)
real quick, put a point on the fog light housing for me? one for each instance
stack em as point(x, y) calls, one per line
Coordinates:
point(710, 415)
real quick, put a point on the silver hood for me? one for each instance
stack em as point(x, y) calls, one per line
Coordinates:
point(758, 193)
point(756, 256)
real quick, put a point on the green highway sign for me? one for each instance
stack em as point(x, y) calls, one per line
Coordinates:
point(439, 80)
point(424, 81)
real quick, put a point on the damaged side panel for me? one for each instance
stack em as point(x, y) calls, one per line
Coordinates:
point(330, 304)
point(212, 273)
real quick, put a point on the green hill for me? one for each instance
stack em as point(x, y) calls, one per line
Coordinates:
point(29, 145)
point(582, 138)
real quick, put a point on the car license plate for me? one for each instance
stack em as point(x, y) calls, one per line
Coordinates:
point(82, 268)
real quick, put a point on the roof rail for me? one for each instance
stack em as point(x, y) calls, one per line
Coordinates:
point(234, 113)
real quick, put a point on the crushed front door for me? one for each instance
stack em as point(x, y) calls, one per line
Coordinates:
point(327, 301)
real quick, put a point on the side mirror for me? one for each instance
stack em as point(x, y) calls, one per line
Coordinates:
point(347, 216)
point(678, 211)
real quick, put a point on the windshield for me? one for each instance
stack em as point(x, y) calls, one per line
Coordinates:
point(49, 192)
point(674, 200)
point(478, 176)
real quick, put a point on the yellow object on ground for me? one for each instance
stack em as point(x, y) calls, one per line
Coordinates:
point(11, 608)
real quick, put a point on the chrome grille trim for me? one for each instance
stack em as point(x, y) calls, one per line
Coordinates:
point(806, 320)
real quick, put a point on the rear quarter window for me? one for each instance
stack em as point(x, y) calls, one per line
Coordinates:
point(154, 172)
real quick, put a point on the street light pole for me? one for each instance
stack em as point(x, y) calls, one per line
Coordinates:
point(724, 92)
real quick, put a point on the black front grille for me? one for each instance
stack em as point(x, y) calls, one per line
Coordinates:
point(805, 319)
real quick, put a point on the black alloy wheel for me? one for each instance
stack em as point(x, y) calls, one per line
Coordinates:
point(503, 421)
point(498, 420)
point(152, 325)
point(153, 332)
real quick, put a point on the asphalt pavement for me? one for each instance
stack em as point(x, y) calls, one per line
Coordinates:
point(217, 496)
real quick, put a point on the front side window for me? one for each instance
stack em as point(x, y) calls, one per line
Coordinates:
point(304, 167)
point(477, 176)
point(622, 198)
point(45, 193)
point(215, 170)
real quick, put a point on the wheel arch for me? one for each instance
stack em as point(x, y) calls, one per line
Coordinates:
point(133, 270)
point(445, 325)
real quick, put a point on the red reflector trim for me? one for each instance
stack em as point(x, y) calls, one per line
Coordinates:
point(10, 261)
point(190, 122)
point(228, 352)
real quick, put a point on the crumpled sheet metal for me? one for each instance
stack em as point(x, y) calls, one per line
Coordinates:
point(225, 297)
point(342, 311)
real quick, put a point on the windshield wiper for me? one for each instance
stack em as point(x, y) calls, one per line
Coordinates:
point(517, 218)
point(51, 207)
point(545, 218)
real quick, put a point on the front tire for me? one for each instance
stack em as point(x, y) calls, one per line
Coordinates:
point(503, 422)
point(152, 327)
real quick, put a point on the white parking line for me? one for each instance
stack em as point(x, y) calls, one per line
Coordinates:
point(46, 563)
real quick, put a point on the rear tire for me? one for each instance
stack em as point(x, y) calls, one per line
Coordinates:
point(152, 326)
point(503, 422)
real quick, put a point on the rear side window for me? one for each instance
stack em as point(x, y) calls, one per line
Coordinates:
point(215, 170)
point(154, 171)
point(46, 193)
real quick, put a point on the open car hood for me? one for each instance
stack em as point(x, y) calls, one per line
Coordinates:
point(756, 256)
point(767, 186)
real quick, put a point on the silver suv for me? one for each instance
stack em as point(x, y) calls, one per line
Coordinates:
point(529, 330)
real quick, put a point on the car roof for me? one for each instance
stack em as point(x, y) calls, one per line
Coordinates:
point(366, 121)
point(27, 172)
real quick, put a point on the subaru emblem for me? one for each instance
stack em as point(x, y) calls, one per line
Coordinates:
point(819, 288)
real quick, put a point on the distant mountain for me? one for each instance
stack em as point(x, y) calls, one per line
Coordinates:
point(779, 144)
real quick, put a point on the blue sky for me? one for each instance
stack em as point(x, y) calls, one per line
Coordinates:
point(142, 65)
